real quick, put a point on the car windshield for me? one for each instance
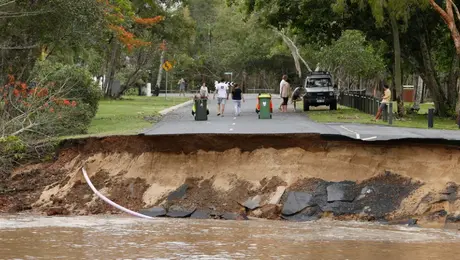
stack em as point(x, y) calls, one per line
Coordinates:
point(318, 82)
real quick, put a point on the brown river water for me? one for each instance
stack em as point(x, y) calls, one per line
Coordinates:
point(119, 237)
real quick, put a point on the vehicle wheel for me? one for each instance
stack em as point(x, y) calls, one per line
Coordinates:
point(333, 106)
point(306, 106)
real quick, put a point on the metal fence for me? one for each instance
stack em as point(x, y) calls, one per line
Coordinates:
point(367, 104)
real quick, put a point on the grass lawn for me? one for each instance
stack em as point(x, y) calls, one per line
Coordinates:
point(349, 115)
point(126, 116)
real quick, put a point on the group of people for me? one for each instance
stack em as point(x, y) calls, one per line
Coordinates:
point(225, 90)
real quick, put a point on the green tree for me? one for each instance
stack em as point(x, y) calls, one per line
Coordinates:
point(393, 11)
point(352, 56)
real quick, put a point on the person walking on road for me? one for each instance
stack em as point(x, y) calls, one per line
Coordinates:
point(237, 97)
point(285, 92)
point(386, 99)
point(222, 97)
point(181, 87)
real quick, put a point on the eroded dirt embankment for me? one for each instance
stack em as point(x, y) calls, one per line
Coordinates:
point(216, 174)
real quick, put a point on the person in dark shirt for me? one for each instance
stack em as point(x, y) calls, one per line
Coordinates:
point(237, 97)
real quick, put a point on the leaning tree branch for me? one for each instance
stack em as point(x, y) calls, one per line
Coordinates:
point(295, 51)
point(19, 47)
point(7, 3)
point(441, 11)
point(4, 15)
point(456, 9)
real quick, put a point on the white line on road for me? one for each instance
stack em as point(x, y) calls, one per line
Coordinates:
point(234, 124)
point(351, 131)
point(231, 129)
point(369, 138)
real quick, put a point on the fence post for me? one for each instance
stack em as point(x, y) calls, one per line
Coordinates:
point(371, 102)
point(359, 103)
point(373, 107)
point(390, 116)
point(430, 118)
point(385, 114)
point(367, 105)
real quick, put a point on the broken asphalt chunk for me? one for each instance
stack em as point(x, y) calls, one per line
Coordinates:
point(340, 191)
point(253, 203)
point(178, 212)
point(296, 202)
point(179, 193)
point(154, 212)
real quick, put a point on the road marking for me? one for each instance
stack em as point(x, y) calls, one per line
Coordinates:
point(369, 138)
point(234, 124)
point(351, 131)
point(231, 129)
point(234, 118)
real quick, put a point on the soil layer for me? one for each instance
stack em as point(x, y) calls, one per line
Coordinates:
point(387, 181)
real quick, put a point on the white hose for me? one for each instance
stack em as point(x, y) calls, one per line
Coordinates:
point(109, 201)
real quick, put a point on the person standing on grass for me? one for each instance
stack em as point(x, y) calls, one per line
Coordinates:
point(182, 87)
point(385, 101)
point(222, 96)
point(285, 92)
point(237, 96)
point(283, 80)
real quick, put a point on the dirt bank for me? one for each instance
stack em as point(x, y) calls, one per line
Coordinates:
point(403, 179)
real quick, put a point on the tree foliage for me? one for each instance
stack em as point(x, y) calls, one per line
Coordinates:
point(351, 55)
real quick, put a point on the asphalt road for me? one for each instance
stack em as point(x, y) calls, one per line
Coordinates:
point(181, 121)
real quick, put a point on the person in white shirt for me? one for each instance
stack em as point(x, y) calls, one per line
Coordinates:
point(204, 93)
point(222, 96)
point(283, 81)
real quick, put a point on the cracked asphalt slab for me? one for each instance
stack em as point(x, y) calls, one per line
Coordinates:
point(181, 121)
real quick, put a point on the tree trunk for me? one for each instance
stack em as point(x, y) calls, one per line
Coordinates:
point(449, 18)
point(418, 85)
point(160, 69)
point(457, 106)
point(452, 92)
point(397, 68)
point(429, 77)
point(111, 68)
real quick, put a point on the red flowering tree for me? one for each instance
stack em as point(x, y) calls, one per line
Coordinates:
point(126, 27)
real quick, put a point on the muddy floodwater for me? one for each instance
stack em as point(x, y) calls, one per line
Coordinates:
point(117, 237)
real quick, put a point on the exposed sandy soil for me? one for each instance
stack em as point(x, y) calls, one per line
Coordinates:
point(139, 172)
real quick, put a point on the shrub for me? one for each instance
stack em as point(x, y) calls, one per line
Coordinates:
point(60, 100)
point(79, 82)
